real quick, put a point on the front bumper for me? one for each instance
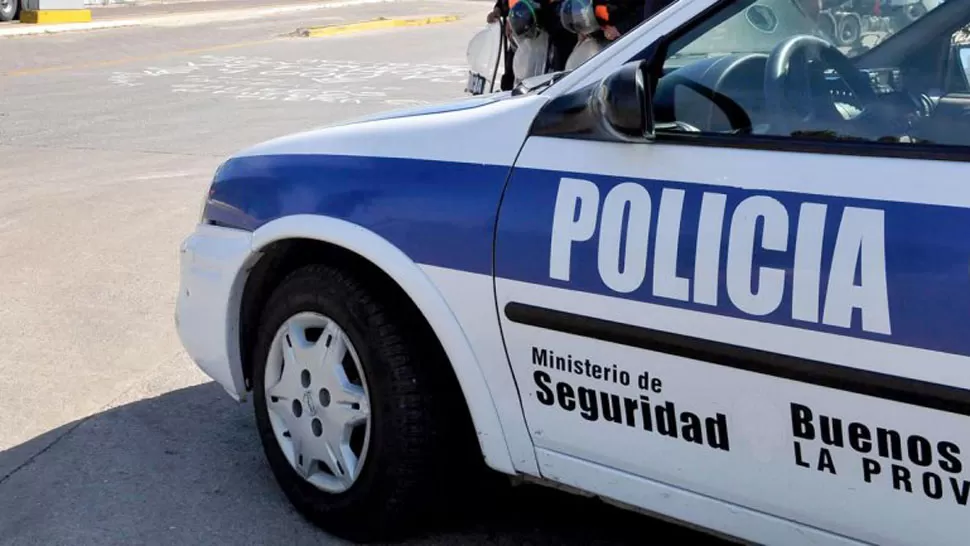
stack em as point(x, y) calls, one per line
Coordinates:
point(207, 309)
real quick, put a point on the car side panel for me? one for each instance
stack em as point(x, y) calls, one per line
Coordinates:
point(428, 213)
point(681, 506)
point(407, 193)
point(436, 213)
point(480, 374)
point(789, 329)
point(471, 298)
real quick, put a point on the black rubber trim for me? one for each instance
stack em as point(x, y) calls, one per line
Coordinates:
point(888, 387)
point(821, 145)
point(938, 152)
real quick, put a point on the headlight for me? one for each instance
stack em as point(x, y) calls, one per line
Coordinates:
point(211, 189)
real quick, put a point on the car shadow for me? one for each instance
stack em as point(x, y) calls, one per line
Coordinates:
point(186, 467)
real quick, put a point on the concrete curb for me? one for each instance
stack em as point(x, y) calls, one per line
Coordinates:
point(181, 19)
point(54, 16)
point(376, 24)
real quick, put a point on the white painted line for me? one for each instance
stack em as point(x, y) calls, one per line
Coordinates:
point(160, 176)
point(26, 30)
point(254, 13)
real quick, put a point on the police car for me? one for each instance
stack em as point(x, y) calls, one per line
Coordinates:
point(720, 273)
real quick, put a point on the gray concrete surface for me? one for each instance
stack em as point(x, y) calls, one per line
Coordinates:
point(108, 434)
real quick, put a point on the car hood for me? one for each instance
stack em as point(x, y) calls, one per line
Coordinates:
point(487, 130)
point(451, 106)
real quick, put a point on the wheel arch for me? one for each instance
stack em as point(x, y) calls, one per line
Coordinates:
point(286, 243)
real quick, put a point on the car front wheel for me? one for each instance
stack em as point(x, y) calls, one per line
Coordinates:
point(8, 9)
point(349, 407)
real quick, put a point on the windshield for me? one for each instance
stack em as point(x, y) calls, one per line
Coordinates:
point(854, 26)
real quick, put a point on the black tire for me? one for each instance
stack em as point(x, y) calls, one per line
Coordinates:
point(9, 10)
point(412, 453)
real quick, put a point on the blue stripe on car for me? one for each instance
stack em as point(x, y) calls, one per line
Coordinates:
point(927, 256)
point(438, 213)
point(443, 214)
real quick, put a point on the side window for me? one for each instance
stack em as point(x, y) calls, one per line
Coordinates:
point(803, 69)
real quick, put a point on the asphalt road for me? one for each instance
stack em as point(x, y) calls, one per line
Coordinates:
point(108, 433)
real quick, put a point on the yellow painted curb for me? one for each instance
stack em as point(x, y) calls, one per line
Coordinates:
point(55, 16)
point(317, 32)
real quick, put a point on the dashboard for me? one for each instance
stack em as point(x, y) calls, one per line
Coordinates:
point(740, 78)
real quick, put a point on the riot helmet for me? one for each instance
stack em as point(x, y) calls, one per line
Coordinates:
point(578, 16)
point(524, 19)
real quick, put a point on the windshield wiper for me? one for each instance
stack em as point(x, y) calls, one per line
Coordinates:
point(545, 81)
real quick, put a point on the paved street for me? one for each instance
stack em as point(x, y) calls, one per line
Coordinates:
point(108, 433)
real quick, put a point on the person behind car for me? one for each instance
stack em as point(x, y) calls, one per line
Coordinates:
point(500, 12)
point(617, 17)
point(652, 7)
point(601, 20)
point(561, 40)
point(529, 18)
point(532, 41)
point(589, 21)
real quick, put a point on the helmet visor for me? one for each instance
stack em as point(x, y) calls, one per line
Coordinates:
point(524, 19)
point(578, 16)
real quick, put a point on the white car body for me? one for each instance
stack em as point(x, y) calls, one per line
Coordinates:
point(743, 471)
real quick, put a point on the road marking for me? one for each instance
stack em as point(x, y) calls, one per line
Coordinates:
point(312, 32)
point(382, 23)
point(160, 176)
point(315, 80)
point(196, 18)
point(183, 19)
point(124, 60)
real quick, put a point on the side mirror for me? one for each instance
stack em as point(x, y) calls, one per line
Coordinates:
point(623, 102)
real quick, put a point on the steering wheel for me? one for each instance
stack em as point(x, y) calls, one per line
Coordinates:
point(738, 119)
point(780, 72)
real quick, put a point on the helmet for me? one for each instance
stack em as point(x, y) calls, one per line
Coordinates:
point(578, 16)
point(524, 18)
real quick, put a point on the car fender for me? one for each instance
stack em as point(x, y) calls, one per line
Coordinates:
point(426, 297)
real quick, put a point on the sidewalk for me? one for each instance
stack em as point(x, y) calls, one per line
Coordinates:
point(179, 13)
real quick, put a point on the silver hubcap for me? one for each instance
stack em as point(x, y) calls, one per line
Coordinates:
point(318, 401)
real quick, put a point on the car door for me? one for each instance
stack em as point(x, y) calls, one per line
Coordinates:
point(752, 328)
